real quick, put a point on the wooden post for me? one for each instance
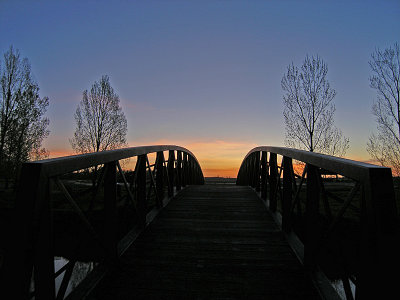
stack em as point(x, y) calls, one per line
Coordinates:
point(200, 177)
point(171, 170)
point(178, 170)
point(110, 211)
point(195, 172)
point(380, 245)
point(141, 190)
point(31, 244)
point(238, 177)
point(257, 171)
point(247, 169)
point(311, 215)
point(160, 178)
point(44, 252)
point(241, 178)
point(287, 194)
point(273, 180)
point(190, 170)
point(252, 170)
point(264, 173)
point(165, 172)
point(185, 166)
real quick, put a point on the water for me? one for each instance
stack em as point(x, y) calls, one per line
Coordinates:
point(80, 271)
point(338, 285)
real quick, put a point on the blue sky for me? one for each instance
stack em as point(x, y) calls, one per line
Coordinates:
point(200, 73)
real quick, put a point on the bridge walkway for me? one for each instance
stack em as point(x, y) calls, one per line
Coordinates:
point(210, 242)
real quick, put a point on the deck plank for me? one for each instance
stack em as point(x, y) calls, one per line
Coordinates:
point(210, 242)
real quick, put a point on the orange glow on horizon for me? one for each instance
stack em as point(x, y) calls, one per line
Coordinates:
point(54, 153)
point(217, 158)
point(228, 173)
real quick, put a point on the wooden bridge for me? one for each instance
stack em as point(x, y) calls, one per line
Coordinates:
point(287, 229)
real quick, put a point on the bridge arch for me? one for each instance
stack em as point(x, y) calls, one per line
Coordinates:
point(29, 259)
point(371, 195)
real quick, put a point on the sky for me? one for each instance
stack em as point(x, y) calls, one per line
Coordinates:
point(205, 75)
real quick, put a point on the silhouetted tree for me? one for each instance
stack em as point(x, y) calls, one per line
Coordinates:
point(100, 123)
point(385, 145)
point(22, 123)
point(309, 110)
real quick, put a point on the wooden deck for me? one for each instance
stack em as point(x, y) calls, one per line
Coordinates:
point(211, 242)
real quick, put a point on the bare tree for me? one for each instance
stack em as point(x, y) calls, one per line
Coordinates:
point(309, 110)
point(100, 123)
point(22, 123)
point(385, 145)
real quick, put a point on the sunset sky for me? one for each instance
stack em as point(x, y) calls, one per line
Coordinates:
point(205, 75)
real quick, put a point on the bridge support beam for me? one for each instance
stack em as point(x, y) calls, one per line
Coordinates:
point(110, 210)
point(257, 170)
point(178, 170)
point(191, 173)
point(287, 194)
point(311, 214)
point(273, 181)
point(141, 190)
point(380, 245)
point(30, 244)
point(264, 175)
point(185, 169)
point(171, 171)
point(159, 167)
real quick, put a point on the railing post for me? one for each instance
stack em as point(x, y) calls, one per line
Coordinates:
point(199, 175)
point(141, 190)
point(110, 209)
point(257, 171)
point(184, 171)
point(252, 170)
point(379, 257)
point(43, 252)
point(178, 170)
point(242, 179)
point(249, 169)
point(311, 215)
point(160, 177)
point(31, 244)
point(246, 171)
point(264, 173)
point(287, 194)
point(273, 180)
point(171, 171)
point(191, 173)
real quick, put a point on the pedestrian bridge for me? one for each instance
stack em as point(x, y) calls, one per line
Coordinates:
point(294, 225)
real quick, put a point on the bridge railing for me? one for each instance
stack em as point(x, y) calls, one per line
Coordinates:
point(351, 238)
point(59, 214)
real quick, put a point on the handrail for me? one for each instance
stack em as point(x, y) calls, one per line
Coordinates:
point(350, 168)
point(378, 212)
point(62, 165)
point(32, 250)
